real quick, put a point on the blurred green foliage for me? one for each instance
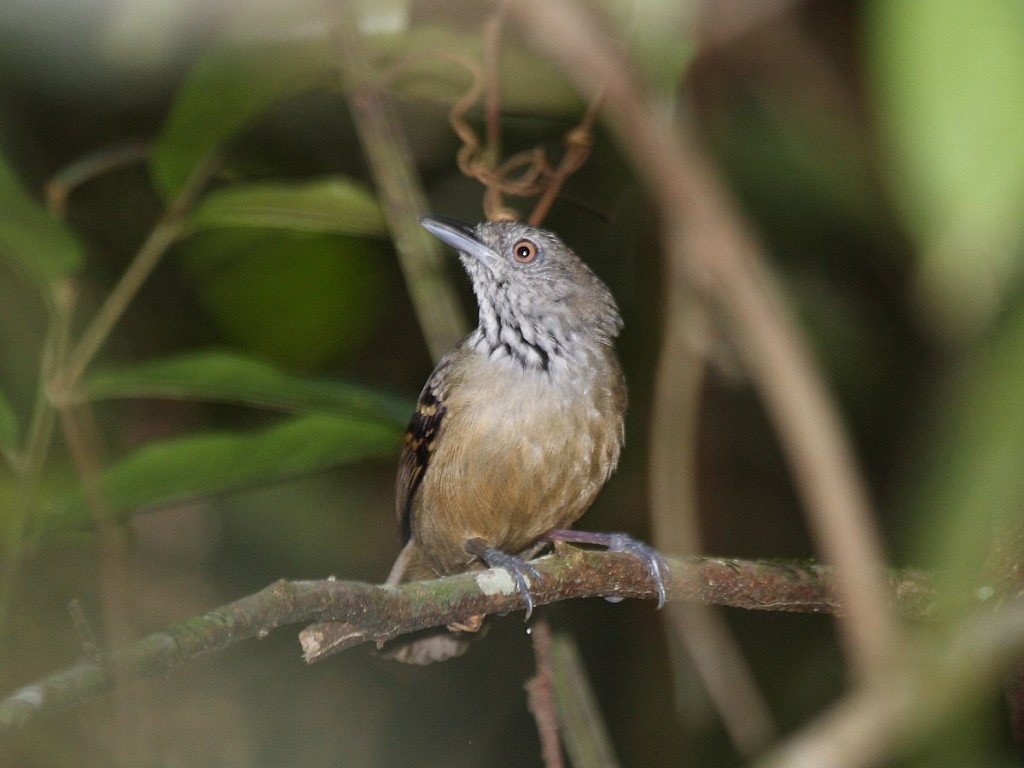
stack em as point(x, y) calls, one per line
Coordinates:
point(9, 431)
point(181, 469)
point(341, 206)
point(948, 85)
point(250, 382)
point(219, 376)
point(295, 298)
point(227, 88)
point(30, 239)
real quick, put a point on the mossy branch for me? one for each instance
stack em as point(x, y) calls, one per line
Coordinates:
point(375, 613)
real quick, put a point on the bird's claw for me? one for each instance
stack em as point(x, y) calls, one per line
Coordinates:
point(657, 567)
point(522, 572)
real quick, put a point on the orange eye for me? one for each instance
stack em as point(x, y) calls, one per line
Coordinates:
point(524, 251)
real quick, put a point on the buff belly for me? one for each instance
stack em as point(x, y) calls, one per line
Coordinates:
point(526, 463)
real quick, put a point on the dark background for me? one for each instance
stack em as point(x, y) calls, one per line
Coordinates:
point(894, 238)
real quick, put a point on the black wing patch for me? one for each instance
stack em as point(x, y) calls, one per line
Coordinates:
point(419, 446)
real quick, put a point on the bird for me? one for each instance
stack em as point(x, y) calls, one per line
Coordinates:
point(518, 427)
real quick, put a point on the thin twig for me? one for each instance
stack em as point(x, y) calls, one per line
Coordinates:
point(60, 186)
point(541, 696)
point(526, 173)
point(168, 229)
point(578, 143)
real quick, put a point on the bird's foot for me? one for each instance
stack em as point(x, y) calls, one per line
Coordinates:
point(657, 568)
point(520, 570)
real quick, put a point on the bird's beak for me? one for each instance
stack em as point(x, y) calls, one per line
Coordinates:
point(459, 236)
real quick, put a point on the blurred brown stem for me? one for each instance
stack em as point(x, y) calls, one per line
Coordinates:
point(63, 365)
point(82, 439)
point(724, 260)
point(876, 722)
point(387, 151)
point(541, 696)
point(494, 206)
point(672, 478)
point(584, 730)
point(40, 436)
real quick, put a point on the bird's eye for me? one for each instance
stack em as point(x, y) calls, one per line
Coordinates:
point(524, 251)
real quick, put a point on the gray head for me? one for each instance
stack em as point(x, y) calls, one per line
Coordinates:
point(538, 300)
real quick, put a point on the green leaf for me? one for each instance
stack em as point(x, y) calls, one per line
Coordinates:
point(336, 205)
point(948, 82)
point(32, 240)
point(186, 468)
point(301, 300)
point(232, 378)
point(971, 494)
point(229, 87)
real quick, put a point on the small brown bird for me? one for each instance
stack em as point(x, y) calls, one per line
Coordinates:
point(519, 426)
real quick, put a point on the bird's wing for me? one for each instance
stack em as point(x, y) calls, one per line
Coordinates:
point(423, 430)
